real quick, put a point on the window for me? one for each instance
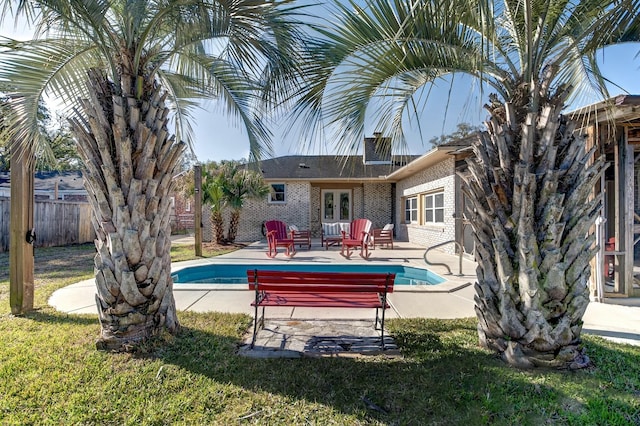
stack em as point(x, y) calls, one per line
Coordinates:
point(276, 193)
point(434, 208)
point(411, 210)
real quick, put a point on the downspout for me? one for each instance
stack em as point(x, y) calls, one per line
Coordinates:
point(393, 207)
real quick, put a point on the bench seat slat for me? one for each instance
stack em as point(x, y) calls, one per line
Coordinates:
point(327, 300)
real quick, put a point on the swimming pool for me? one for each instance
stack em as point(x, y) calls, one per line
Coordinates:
point(237, 273)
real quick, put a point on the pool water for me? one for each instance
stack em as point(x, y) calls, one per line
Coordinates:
point(237, 273)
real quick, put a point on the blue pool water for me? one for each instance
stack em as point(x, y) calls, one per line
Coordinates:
point(237, 273)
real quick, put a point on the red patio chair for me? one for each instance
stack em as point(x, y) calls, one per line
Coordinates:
point(358, 237)
point(277, 237)
point(383, 236)
point(301, 237)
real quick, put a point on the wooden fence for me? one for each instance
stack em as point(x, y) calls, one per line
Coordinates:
point(57, 223)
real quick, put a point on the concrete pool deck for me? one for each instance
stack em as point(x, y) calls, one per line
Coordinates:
point(616, 319)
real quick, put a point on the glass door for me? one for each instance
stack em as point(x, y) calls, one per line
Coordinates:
point(336, 205)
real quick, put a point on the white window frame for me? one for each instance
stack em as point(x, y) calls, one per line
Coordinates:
point(273, 191)
point(433, 209)
point(411, 209)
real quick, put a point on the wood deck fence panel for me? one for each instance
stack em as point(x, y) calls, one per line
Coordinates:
point(56, 223)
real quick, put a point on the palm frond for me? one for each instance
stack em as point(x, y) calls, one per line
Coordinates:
point(244, 53)
point(37, 68)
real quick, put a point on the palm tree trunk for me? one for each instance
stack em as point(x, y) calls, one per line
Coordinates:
point(217, 224)
point(130, 161)
point(233, 225)
point(532, 209)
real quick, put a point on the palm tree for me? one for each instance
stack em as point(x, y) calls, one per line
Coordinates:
point(213, 195)
point(238, 185)
point(530, 180)
point(124, 69)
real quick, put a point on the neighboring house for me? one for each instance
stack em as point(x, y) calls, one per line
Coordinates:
point(61, 213)
point(69, 186)
point(182, 215)
point(52, 185)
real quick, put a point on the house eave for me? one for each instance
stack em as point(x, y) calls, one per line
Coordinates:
point(436, 155)
point(618, 109)
point(328, 180)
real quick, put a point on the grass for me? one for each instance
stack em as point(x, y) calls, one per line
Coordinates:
point(183, 252)
point(51, 373)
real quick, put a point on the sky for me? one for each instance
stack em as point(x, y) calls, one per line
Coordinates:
point(217, 138)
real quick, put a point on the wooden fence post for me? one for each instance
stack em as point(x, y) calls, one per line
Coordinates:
point(21, 262)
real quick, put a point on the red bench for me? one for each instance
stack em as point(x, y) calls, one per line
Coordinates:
point(320, 290)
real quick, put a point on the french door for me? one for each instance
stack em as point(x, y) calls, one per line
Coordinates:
point(336, 205)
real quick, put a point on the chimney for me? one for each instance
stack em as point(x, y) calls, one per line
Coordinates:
point(377, 150)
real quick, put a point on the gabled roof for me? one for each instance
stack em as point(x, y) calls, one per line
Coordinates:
point(328, 168)
point(436, 155)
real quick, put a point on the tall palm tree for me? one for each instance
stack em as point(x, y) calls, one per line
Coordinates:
point(529, 182)
point(238, 185)
point(124, 68)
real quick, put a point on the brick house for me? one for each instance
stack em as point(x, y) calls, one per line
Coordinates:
point(415, 193)
point(182, 213)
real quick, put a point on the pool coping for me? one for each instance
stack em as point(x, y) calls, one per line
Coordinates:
point(445, 287)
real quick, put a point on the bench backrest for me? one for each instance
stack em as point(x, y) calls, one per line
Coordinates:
point(325, 282)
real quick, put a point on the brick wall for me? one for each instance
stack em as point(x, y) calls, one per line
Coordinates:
point(440, 176)
point(377, 203)
point(295, 211)
point(182, 215)
point(371, 200)
point(358, 203)
point(316, 223)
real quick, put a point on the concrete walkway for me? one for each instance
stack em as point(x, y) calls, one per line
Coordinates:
point(616, 319)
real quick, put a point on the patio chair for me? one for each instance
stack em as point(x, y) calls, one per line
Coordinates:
point(383, 236)
point(300, 237)
point(357, 237)
point(277, 237)
point(332, 233)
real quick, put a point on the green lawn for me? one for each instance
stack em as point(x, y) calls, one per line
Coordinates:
point(51, 373)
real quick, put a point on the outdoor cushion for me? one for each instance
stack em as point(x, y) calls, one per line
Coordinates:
point(346, 227)
point(331, 229)
point(388, 227)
